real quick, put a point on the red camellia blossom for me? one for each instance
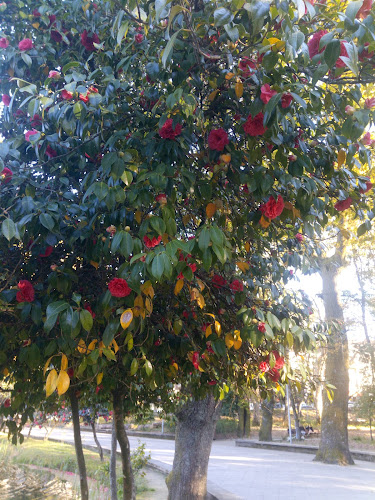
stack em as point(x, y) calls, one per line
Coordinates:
point(88, 308)
point(66, 95)
point(55, 75)
point(29, 133)
point(168, 132)
point(262, 327)
point(343, 52)
point(6, 99)
point(266, 93)
point(314, 42)
point(48, 251)
point(369, 103)
point(70, 372)
point(274, 375)
point(26, 291)
point(138, 38)
point(254, 126)
point(119, 287)
point(7, 403)
point(273, 208)
point(236, 286)
point(264, 366)
point(369, 185)
point(84, 98)
point(25, 44)
point(247, 66)
point(218, 139)
point(286, 100)
point(151, 243)
point(343, 204)
point(161, 198)
point(366, 139)
point(50, 152)
point(88, 41)
point(365, 10)
point(6, 175)
point(279, 360)
point(218, 281)
point(299, 237)
point(211, 382)
point(195, 360)
point(4, 43)
point(36, 121)
point(98, 388)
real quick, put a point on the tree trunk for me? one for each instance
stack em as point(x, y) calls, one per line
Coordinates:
point(78, 446)
point(100, 449)
point(243, 429)
point(256, 419)
point(295, 414)
point(112, 463)
point(265, 431)
point(122, 438)
point(334, 446)
point(196, 422)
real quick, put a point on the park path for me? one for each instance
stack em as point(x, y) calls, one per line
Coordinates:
point(256, 474)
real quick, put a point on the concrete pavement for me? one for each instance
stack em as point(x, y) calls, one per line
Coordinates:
point(255, 474)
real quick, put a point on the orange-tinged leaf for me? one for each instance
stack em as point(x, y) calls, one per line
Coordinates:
point(226, 158)
point(229, 76)
point(148, 305)
point(138, 216)
point(35, 25)
point(238, 88)
point(179, 286)
point(126, 318)
point(217, 327)
point(81, 347)
point(229, 340)
point(264, 222)
point(175, 366)
point(138, 308)
point(210, 210)
point(288, 205)
point(200, 284)
point(101, 347)
point(99, 378)
point(148, 289)
point(247, 246)
point(64, 362)
point(213, 94)
point(91, 346)
point(243, 266)
point(237, 343)
point(94, 264)
point(51, 382)
point(5, 372)
point(341, 157)
point(200, 301)
point(208, 331)
point(63, 383)
point(186, 218)
point(210, 314)
point(115, 346)
point(47, 365)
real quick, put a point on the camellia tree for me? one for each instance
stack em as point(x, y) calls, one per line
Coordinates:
point(164, 165)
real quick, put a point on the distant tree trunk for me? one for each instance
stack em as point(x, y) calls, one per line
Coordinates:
point(30, 429)
point(122, 438)
point(196, 422)
point(265, 431)
point(295, 414)
point(100, 449)
point(112, 463)
point(78, 445)
point(370, 422)
point(243, 429)
point(256, 419)
point(334, 446)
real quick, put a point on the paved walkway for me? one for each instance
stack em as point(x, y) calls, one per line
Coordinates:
point(255, 474)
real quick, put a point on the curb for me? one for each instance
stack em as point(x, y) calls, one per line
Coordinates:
point(299, 448)
point(153, 435)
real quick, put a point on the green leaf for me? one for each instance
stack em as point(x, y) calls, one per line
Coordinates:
point(101, 190)
point(117, 240)
point(332, 53)
point(73, 64)
point(47, 221)
point(158, 225)
point(222, 16)
point(148, 367)
point(134, 366)
point(352, 9)
point(127, 245)
point(86, 320)
point(8, 228)
point(204, 239)
point(363, 228)
point(269, 333)
point(232, 32)
point(157, 267)
point(50, 322)
point(169, 48)
point(109, 332)
point(109, 354)
point(56, 307)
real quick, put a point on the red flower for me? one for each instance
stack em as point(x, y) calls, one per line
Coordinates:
point(262, 327)
point(369, 186)
point(343, 52)
point(118, 287)
point(161, 198)
point(369, 103)
point(193, 267)
point(211, 382)
point(247, 66)
point(88, 41)
point(236, 286)
point(66, 95)
point(279, 360)
point(151, 243)
point(47, 252)
point(273, 208)
point(365, 10)
point(84, 98)
point(274, 375)
point(343, 204)
point(55, 75)
point(93, 89)
point(138, 38)
point(264, 366)
point(299, 237)
point(4, 42)
point(26, 291)
point(70, 372)
point(365, 54)
point(50, 152)
point(25, 44)
point(218, 281)
point(98, 388)
point(314, 42)
point(7, 403)
point(218, 139)
point(266, 93)
point(254, 126)
point(6, 175)
point(36, 13)
point(36, 121)
point(157, 342)
point(88, 308)
point(29, 133)
point(6, 99)
point(195, 360)
point(286, 100)
point(56, 36)
point(168, 132)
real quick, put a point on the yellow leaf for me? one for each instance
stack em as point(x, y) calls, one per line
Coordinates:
point(226, 158)
point(138, 216)
point(264, 222)
point(210, 314)
point(101, 347)
point(91, 346)
point(341, 157)
point(237, 340)
point(99, 378)
point(47, 365)
point(210, 210)
point(238, 88)
point(82, 347)
point(35, 25)
point(94, 264)
point(63, 383)
point(148, 289)
point(200, 284)
point(179, 286)
point(276, 43)
point(148, 305)
point(208, 331)
point(126, 318)
point(247, 246)
point(175, 366)
point(51, 382)
point(229, 76)
point(229, 340)
point(243, 266)
point(64, 362)
point(217, 327)
point(5, 372)
point(115, 346)
point(138, 308)
point(213, 94)
point(200, 301)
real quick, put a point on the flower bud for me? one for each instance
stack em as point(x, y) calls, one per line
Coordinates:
point(349, 110)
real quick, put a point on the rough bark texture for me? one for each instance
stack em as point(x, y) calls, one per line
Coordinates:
point(112, 463)
point(78, 446)
point(256, 419)
point(334, 446)
point(196, 423)
point(99, 446)
point(243, 422)
point(295, 414)
point(122, 438)
point(265, 431)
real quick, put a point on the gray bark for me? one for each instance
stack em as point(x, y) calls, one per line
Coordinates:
point(112, 463)
point(99, 446)
point(256, 419)
point(243, 421)
point(334, 445)
point(196, 422)
point(78, 446)
point(295, 414)
point(265, 431)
